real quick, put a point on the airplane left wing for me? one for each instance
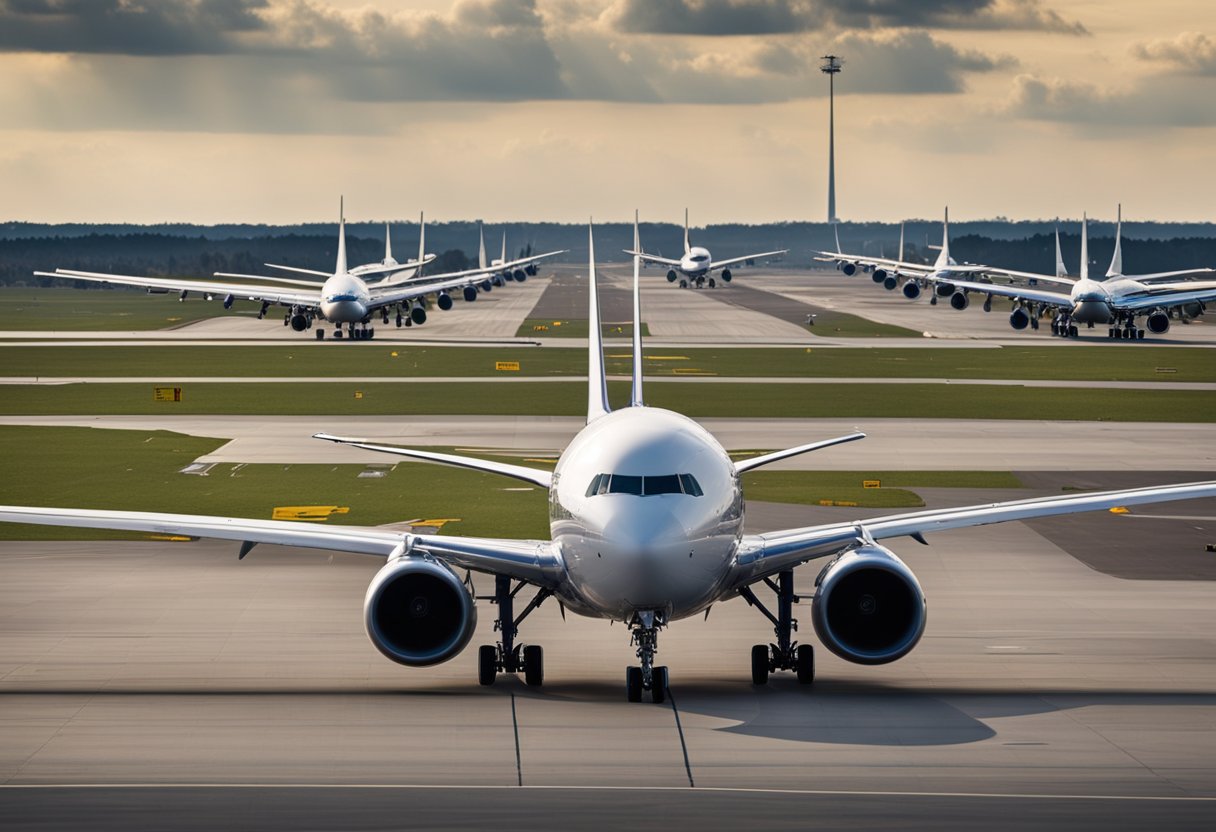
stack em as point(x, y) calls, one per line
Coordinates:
point(534, 561)
point(488, 271)
point(249, 291)
point(652, 258)
point(1163, 299)
point(519, 472)
point(1146, 278)
point(1015, 292)
point(720, 264)
point(761, 555)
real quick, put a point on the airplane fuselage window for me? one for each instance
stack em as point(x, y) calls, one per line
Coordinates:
point(644, 486)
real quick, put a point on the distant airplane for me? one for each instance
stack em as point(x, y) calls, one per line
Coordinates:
point(1117, 300)
point(697, 266)
point(646, 527)
point(388, 266)
point(345, 299)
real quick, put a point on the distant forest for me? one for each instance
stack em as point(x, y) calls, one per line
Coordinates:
point(198, 251)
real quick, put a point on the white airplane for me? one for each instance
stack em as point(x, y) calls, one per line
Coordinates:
point(505, 269)
point(388, 266)
point(1116, 301)
point(696, 266)
point(887, 271)
point(345, 299)
point(646, 527)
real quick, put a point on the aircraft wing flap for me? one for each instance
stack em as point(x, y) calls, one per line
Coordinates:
point(765, 554)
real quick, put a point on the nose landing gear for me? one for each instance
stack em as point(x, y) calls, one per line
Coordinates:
point(786, 654)
point(645, 627)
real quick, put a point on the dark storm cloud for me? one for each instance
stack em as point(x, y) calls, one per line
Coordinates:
point(1153, 104)
point(753, 17)
point(127, 27)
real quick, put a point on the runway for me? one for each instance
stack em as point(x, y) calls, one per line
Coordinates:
point(1042, 690)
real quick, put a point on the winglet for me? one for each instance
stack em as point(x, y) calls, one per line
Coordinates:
point(687, 248)
point(340, 265)
point(635, 397)
point(597, 380)
point(1084, 247)
point(1116, 260)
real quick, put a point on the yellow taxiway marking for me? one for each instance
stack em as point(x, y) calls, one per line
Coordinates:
point(307, 512)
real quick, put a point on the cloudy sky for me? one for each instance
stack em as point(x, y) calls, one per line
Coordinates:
point(266, 110)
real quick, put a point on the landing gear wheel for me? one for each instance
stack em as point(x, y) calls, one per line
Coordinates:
point(534, 665)
point(658, 684)
point(320, 335)
point(633, 683)
point(487, 664)
point(683, 284)
point(338, 333)
point(760, 664)
point(712, 283)
point(804, 662)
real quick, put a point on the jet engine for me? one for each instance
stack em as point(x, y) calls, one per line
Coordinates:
point(496, 280)
point(1194, 310)
point(879, 275)
point(486, 285)
point(299, 322)
point(418, 314)
point(959, 301)
point(868, 606)
point(444, 301)
point(1019, 319)
point(911, 290)
point(890, 283)
point(470, 293)
point(228, 299)
point(726, 275)
point(1158, 322)
point(532, 269)
point(520, 276)
point(849, 269)
point(944, 290)
point(418, 613)
point(671, 275)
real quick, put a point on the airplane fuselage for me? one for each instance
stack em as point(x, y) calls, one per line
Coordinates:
point(345, 299)
point(647, 512)
point(696, 262)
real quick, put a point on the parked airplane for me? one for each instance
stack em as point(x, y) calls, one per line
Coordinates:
point(345, 299)
point(503, 273)
point(1115, 301)
point(697, 266)
point(646, 521)
point(389, 266)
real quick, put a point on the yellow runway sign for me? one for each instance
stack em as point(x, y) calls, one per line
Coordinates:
point(307, 513)
point(511, 366)
point(166, 394)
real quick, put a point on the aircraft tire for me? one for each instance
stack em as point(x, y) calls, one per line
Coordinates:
point(804, 663)
point(760, 664)
point(534, 666)
point(320, 335)
point(658, 685)
point(633, 683)
point(487, 664)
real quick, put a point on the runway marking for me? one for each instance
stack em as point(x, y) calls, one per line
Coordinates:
point(701, 789)
point(683, 744)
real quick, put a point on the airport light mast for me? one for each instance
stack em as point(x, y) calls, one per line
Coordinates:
point(831, 65)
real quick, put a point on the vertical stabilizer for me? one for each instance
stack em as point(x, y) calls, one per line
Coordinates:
point(900, 256)
point(340, 265)
point(943, 256)
point(421, 242)
point(388, 245)
point(1084, 247)
point(1061, 269)
point(504, 246)
point(481, 246)
point(836, 231)
point(687, 247)
point(635, 397)
point(597, 381)
point(1116, 260)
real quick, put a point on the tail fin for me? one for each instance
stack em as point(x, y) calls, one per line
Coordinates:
point(836, 231)
point(635, 397)
point(900, 256)
point(1116, 260)
point(481, 246)
point(504, 246)
point(597, 381)
point(687, 247)
point(340, 265)
point(1061, 269)
point(943, 256)
point(1084, 247)
point(421, 242)
point(388, 245)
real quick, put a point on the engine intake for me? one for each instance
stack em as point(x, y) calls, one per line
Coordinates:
point(1019, 318)
point(671, 275)
point(1158, 323)
point(849, 269)
point(959, 301)
point(418, 613)
point(868, 606)
point(911, 290)
point(444, 301)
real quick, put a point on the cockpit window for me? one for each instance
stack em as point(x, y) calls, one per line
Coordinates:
point(644, 486)
point(699, 258)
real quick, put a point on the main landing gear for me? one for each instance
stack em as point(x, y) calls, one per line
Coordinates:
point(786, 654)
point(645, 627)
point(507, 656)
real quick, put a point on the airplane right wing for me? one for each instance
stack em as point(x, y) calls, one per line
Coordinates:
point(1015, 292)
point(1047, 278)
point(652, 258)
point(519, 472)
point(718, 264)
point(257, 292)
point(488, 271)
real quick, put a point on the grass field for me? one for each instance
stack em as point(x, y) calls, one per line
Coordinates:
point(106, 309)
point(140, 471)
point(835, 324)
point(955, 401)
point(1129, 362)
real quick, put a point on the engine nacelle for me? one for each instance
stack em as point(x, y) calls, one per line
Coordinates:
point(849, 269)
point(879, 275)
point(944, 290)
point(532, 269)
point(1193, 310)
point(671, 276)
point(959, 301)
point(1158, 322)
point(486, 285)
point(868, 606)
point(726, 275)
point(891, 283)
point(1019, 319)
point(496, 280)
point(299, 322)
point(228, 299)
point(470, 293)
point(444, 301)
point(911, 290)
point(418, 613)
point(418, 314)
point(520, 275)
